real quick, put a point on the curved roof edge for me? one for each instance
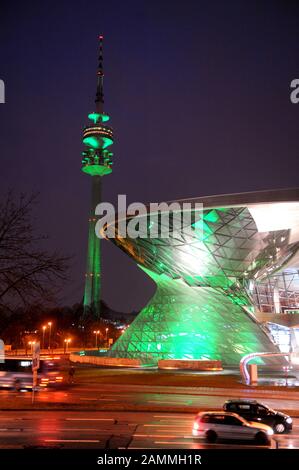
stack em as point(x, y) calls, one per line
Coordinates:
point(251, 197)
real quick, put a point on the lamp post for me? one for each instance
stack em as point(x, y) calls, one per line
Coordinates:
point(43, 343)
point(107, 336)
point(50, 328)
point(31, 344)
point(66, 343)
point(96, 332)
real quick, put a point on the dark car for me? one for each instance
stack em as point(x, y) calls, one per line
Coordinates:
point(251, 410)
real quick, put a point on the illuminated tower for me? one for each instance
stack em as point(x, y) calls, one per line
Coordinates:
point(96, 162)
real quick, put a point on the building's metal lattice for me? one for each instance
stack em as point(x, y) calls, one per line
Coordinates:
point(286, 284)
point(202, 280)
point(183, 322)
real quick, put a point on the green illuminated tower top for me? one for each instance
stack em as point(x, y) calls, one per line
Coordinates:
point(98, 137)
point(96, 162)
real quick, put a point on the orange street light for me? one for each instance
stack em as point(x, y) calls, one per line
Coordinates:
point(43, 343)
point(66, 343)
point(96, 332)
point(50, 328)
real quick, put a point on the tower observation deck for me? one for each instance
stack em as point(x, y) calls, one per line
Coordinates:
point(96, 162)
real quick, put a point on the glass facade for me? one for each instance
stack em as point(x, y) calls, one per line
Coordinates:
point(278, 293)
point(211, 279)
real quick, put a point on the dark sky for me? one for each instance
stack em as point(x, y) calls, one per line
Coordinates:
point(198, 92)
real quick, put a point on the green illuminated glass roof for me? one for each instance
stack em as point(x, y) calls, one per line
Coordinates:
point(203, 305)
point(183, 322)
point(223, 247)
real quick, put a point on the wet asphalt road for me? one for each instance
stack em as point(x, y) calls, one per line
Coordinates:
point(113, 430)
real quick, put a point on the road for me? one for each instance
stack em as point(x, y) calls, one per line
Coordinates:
point(103, 416)
point(130, 396)
point(112, 430)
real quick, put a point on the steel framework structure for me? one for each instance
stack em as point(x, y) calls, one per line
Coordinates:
point(203, 307)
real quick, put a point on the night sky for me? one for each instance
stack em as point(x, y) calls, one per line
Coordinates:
point(199, 98)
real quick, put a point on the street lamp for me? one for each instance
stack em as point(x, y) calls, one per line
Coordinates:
point(66, 343)
point(43, 343)
point(96, 332)
point(107, 336)
point(50, 327)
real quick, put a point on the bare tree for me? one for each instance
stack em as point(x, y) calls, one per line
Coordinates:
point(27, 271)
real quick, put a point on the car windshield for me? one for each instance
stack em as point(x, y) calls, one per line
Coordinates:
point(268, 409)
point(244, 421)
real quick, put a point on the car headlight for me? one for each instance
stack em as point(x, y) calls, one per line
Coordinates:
point(195, 426)
point(289, 420)
point(270, 432)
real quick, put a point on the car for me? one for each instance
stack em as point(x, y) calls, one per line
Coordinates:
point(251, 410)
point(224, 425)
point(16, 373)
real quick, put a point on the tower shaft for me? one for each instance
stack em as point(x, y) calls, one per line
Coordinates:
point(92, 292)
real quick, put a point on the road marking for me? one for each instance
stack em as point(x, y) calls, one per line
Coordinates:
point(157, 435)
point(165, 425)
point(121, 394)
point(90, 419)
point(172, 442)
point(12, 429)
point(134, 448)
point(98, 399)
point(174, 421)
point(172, 416)
point(12, 419)
point(70, 429)
point(168, 402)
point(69, 440)
point(106, 399)
point(228, 446)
